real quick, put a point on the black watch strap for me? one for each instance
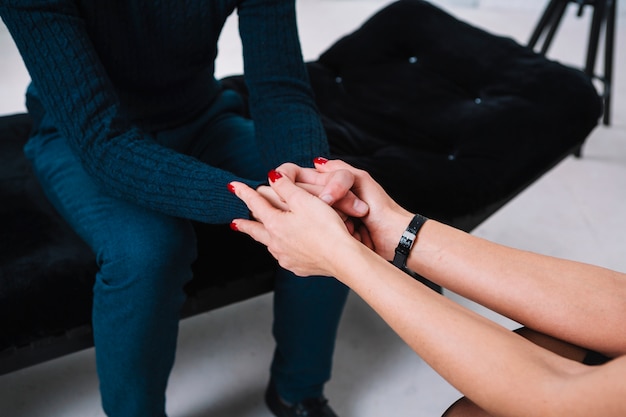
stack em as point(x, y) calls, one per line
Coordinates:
point(407, 240)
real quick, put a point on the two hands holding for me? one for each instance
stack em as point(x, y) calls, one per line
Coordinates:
point(306, 214)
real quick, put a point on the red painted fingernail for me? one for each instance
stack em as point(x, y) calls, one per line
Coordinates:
point(274, 175)
point(234, 227)
point(320, 160)
point(231, 188)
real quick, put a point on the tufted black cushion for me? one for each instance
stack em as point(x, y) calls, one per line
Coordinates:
point(448, 117)
point(452, 120)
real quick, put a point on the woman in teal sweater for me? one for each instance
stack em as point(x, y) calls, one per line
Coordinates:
point(134, 138)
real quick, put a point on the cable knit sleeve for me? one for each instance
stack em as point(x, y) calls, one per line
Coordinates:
point(77, 92)
point(281, 100)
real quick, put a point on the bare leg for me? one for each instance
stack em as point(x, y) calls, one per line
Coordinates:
point(463, 407)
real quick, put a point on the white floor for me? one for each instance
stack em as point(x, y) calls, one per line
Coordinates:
point(575, 211)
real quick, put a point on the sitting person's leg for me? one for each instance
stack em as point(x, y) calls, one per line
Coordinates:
point(306, 312)
point(144, 259)
point(306, 317)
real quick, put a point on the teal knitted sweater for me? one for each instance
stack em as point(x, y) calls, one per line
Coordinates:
point(109, 72)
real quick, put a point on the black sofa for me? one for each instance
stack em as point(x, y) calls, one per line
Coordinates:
point(452, 120)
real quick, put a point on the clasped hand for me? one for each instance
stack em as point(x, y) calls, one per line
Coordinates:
point(306, 212)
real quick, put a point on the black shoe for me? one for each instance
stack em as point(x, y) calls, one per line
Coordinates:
point(310, 407)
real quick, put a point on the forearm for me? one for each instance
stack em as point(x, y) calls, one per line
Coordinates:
point(494, 367)
point(577, 302)
point(287, 122)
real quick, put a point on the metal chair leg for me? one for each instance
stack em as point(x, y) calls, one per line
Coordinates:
point(603, 18)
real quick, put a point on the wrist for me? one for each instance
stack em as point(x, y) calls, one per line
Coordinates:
point(407, 241)
point(395, 224)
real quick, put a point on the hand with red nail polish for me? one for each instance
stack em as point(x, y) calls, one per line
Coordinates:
point(384, 219)
point(282, 230)
point(303, 214)
point(333, 187)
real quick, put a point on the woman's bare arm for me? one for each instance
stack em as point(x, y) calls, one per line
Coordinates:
point(500, 371)
point(576, 302)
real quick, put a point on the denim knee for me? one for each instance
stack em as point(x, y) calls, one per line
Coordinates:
point(156, 256)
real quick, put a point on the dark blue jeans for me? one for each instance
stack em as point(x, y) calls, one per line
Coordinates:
point(145, 258)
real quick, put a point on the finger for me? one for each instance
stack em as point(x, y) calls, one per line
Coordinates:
point(271, 196)
point(365, 188)
point(292, 194)
point(337, 185)
point(256, 203)
point(349, 205)
point(313, 189)
point(352, 205)
point(327, 165)
point(300, 200)
point(298, 174)
point(256, 230)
